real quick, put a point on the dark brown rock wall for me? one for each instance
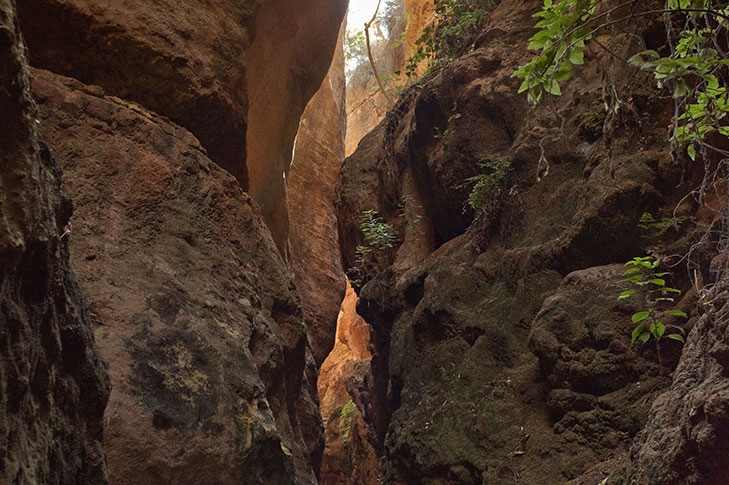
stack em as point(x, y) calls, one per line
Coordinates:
point(53, 383)
point(500, 351)
point(315, 258)
point(213, 378)
point(185, 60)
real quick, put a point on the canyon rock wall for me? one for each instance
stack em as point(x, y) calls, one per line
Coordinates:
point(366, 105)
point(318, 156)
point(686, 439)
point(288, 60)
point(141, 103)
point(500, 350)
point(349, 458)
point(211, 371)
point(184, 60)
point(53, 383)
point(238, 75)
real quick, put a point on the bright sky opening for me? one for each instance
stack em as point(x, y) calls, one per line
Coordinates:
point(360, 11)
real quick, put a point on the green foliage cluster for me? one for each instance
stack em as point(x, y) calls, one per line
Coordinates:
point(379, 236)
point(651, 285)
point(692, 69)
point(456, 24)
point(355, 49)
point(658, 227)
point(347, 415)
point(495, 171)
point(564, 29)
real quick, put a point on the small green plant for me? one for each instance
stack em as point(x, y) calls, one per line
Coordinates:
point(658, 227)
point(402, 209)
point(652, 286)
point(347, 415)
point(495, 171)
point(379, 236)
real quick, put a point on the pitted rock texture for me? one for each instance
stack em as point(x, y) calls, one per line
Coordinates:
point(53, 383)
point(686, 439)
point(213, 379)
point(237, 74)
point(500, 351)
point(315, 258)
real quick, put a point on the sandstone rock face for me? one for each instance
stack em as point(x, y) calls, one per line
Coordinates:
point(420, 14)
point(319, 153)
point(213, 380)
point(500, 351)
point(238, 75)
point(53, 383)
point(348, 456)
point(288, 60)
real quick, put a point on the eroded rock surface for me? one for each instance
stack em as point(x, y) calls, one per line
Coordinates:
point(53, 383)
point(686, 439)
point(213, 379)
point(500, 351)
point(290, 56)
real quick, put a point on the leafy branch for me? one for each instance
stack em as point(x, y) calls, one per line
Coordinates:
point(652, 286)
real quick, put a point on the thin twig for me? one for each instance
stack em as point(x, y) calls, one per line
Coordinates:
point(369, 54)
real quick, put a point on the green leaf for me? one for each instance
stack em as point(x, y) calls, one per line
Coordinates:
point(626, 294)
point(691, 152)
point(670, 290)
point(658, 281)
point(577, 57)
point(681, 88)
point(636, 332)
point(554, 89)
point(677, 313)
point(634, 279)
point(676, 336)
point(660, 329)
point(644, 338)
point(640, 316)
point(630, 271)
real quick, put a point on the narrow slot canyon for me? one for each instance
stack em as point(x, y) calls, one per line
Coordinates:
point(288, 242)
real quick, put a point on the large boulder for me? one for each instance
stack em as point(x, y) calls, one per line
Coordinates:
point(213, 379)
